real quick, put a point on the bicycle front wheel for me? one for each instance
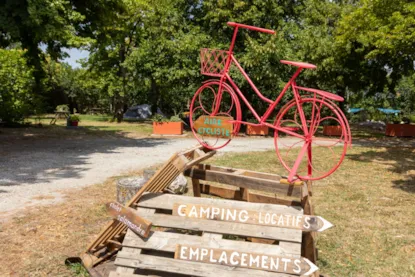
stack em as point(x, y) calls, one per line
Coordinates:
point(304, 143)
point(207, 103)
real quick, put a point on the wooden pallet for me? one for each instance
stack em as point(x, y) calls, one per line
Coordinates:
point(257, 187)
point(109, 240)
point(154, 256)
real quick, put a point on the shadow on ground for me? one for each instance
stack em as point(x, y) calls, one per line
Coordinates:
point(39, 155)
point(399, 160)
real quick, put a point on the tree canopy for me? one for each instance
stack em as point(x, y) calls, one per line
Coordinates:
point(144, 51)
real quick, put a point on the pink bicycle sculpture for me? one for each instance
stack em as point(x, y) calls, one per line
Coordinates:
point(299, 122)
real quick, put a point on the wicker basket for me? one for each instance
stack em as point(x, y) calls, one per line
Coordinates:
point(213, 61)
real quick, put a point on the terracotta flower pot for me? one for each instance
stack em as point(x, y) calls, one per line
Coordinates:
point(332, 131)
point(74, 123)
point(400, 130)
point(257, 130)
point(167, 128)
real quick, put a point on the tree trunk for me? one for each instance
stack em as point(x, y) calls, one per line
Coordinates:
point(154, 96)
point(119, 100)
point(119, 108)
point(341, 92)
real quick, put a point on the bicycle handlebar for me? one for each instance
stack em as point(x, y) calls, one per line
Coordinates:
point(253, 28)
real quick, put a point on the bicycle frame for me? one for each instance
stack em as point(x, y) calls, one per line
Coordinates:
point(216, 63)
point(262, 120)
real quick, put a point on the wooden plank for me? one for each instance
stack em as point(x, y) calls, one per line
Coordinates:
point(302, 222)
point(122, 269)
point(273, 186)
point(128, 216)
point(166, 202)
point(163, 178)
point(250, 173)
point(290, 247)
point(240, 259)
point(226, 193)
point(229, 228)
point(309, 249)
point(190, 268)
point(119, 274)
point(244, 194)
point(214, 126)
point(196, 187)
point(234, 194)
point(166, 241)
point(246, 172)
point(259, 198)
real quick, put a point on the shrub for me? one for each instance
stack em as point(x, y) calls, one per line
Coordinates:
point(17, 99)
point(159, 118)
point(411, 118)
point(175, 118)
point(74, 118)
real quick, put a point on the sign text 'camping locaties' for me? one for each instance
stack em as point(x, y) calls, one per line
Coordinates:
point(306, 223)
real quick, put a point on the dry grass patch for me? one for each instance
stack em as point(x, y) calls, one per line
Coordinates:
point(37, 242)
point(370, 199)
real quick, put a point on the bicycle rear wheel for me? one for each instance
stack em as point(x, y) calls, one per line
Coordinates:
point(315, 155)
point(203, 105)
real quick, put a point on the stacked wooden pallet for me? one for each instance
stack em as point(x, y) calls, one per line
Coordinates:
point(155, 255)
point(109, 240)
point(178, 230)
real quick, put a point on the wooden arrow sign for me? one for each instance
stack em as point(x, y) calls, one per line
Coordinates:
point(130, 218)
point(305, 223)
point(214, 126)
point(234, 258)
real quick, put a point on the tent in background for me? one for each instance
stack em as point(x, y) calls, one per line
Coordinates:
point(140, 112)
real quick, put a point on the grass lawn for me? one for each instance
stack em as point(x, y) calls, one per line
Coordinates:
point(95, 125)
point(370, 199)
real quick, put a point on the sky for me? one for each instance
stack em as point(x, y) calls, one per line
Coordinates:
point(74, 56)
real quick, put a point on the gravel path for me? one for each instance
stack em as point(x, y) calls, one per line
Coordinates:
point(33, 172)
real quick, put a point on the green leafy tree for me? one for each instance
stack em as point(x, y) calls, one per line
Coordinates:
point(165, 56)
point(16, 82)
point(381, 33)
point(55, 24)
point(114, 41)
point(405, 91)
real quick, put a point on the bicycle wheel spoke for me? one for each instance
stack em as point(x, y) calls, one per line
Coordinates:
point(315, 121)
point(294, 169)
point(289, 148)
point(324, 154)
point(289, 132)
point(209, 101)
point(327, 142)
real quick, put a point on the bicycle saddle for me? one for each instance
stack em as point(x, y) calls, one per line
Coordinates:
point(299, 64)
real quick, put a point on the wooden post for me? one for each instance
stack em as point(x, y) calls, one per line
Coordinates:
point(196, 187)
point(309, 239)
point(244, 194)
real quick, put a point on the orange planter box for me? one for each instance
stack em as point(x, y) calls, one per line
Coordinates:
point(167, 128)
point(400, 130)
point(257, 130)
point(332, 131)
